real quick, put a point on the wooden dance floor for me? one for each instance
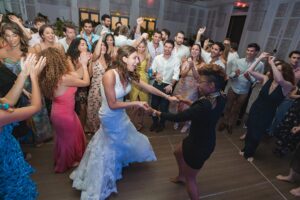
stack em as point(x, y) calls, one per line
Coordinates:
point(226, 175)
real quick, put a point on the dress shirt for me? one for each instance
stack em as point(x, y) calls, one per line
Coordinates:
point(94, 39)
point(168, 68)
point(181, 51)
point(122, 40)
point(154, 51)
point(240, 84)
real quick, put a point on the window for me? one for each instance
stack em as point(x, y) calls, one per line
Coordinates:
point(117, 18)
point(85, 13)
point(149, 24)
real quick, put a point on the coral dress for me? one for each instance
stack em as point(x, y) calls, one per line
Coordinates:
point(69, 138)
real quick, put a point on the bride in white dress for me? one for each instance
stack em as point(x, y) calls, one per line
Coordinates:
point(117, 143)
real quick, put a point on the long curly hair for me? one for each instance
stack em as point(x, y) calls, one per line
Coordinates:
point(13, 27)
point(214, 73)
point(56, 67)
point(121, 66)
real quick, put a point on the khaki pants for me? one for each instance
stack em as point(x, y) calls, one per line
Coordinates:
point(233, 107)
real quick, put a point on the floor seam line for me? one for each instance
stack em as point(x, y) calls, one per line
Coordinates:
point(258, 170)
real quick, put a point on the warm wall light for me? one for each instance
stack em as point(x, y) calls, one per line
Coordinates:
point(150, 3)
point(239, 4)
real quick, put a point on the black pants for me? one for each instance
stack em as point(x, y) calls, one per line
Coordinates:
point(159, 103)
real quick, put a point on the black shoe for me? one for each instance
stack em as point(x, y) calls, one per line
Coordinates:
point(159, 128)
point(153, 127)
point(238, 122)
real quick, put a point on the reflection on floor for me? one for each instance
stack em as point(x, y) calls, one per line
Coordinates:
point(226, 175)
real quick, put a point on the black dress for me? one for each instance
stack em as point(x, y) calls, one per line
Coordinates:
point(261, 115)
point(200, 143)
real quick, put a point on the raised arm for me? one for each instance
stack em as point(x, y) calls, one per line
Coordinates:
point(71, 80)
point(199, 33)
point(251, 70)
point(16, 20)
point(286, 85)
point(36, 103)
point(97, 51)
point(26, 64)
point(149, 88)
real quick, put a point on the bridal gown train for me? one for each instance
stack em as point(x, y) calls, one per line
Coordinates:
point(116, 144)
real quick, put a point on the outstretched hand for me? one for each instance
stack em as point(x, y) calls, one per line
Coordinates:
point(173, 99)
point(39, 66)
point(28, 63)
point(201, 30)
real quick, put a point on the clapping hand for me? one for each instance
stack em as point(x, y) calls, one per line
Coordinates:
point(84, 58)
point(28, 63)
point(247, 75)
point(38, 67)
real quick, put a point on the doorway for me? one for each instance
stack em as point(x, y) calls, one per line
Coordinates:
point(235, 28)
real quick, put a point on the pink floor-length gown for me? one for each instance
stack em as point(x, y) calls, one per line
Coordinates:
point(70, 140)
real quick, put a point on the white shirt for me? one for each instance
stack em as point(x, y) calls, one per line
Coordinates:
point(36, 39)
point(232, 56)
point(63, 42)
point(181, 51)
point(122, 40)
point(168, 68)
point(154, 51)
point(207, 59)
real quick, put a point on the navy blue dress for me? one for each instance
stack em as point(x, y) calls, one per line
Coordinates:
point(261, 115)
point(15, 181)
point(200, 143)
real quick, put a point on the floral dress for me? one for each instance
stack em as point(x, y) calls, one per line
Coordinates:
point(94, 99)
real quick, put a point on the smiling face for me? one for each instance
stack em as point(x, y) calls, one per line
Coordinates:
point(131, 61)
point(141, 48)
point(88, 28)
point(82, 47)
point(103, 49)
point(195, 51)
point(251, 53)
point(12, 39)
point(48, 35)
point(179, 39)
point(168, 49)
point(215, 51)
point(110, 40)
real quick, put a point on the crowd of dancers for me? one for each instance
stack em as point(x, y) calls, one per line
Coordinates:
point(86, 83)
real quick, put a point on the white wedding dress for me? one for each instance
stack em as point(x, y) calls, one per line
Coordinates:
point(116, 144)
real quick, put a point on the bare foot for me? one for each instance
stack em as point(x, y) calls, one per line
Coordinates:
point(285, 178)
point(295, 192)
point(178, 180)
